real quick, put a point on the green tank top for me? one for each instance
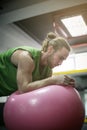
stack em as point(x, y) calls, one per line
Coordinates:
point(8, 71)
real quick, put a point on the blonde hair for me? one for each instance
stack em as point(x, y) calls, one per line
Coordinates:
point(55, 41)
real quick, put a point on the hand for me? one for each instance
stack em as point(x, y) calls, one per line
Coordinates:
point(64, 80)
point(69, 81)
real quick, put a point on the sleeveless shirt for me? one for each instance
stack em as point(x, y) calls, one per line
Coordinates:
point(8, 71)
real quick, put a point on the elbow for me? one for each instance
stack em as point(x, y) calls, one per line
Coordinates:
point(21, 91)
point(24, 89)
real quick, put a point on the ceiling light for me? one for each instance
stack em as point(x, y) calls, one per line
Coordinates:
point(75, 25)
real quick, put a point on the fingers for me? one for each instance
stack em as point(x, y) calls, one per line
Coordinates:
point(68, 78)
point(69, 81)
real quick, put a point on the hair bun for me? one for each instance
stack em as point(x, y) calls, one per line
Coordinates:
point(51, 35)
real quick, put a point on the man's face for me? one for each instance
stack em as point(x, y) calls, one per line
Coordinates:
point(57, 57)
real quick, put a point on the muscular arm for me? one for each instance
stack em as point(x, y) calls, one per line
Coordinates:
point(25, 67)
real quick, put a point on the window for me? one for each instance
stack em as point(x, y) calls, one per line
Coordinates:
point(75, 25)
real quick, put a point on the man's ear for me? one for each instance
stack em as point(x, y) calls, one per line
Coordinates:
point(50, 49)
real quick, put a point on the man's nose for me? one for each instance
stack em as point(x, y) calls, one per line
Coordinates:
point(60, 62)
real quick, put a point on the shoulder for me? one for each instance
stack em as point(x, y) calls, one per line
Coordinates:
point(21, 56)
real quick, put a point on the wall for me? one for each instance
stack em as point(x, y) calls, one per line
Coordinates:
point(12, 36)
point(73, 62)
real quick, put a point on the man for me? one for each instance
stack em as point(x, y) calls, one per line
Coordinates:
point(26, 68)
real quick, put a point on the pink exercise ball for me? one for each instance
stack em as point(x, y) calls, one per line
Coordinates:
point(50, 108)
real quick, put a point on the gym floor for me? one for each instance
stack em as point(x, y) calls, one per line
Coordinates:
point(3, 128)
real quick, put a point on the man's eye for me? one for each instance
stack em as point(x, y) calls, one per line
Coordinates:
point(61, 58)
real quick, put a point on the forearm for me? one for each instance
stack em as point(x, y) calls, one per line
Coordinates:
point(39, 84)
point(57, 80)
